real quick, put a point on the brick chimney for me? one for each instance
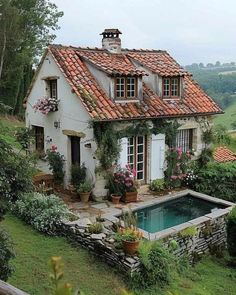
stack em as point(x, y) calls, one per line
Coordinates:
point(111, 40)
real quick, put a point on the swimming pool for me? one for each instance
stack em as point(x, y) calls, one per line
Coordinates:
point(170, 213)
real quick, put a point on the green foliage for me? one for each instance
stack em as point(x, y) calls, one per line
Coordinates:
point(221, 136)
point(157, 185)
point(15, 172)
point(188, 232)
point(95, 228)
point(56, 164)
point(231, 232)
point(6, 254)
point(3, 208)
point(44, 213)
point(205, 157)
point(4, 109)
point(56, 277)
point(25, 136)
point(85, 187)
point(107, 135)
point(78, 174)
point(129, 218)
point(26, 27)
point(218, 180)
point(156, 266)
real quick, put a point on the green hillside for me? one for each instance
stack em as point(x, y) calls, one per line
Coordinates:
point(228, 117)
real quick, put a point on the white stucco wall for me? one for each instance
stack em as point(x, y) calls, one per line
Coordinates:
point(71, 114)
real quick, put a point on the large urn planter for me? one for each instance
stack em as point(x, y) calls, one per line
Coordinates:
point(130, 247)
point(84, 197)
point(115, 198)
point(131, 197)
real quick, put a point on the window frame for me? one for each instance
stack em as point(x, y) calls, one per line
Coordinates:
point(184, 140)
point(126, 90)
point(171, 83)
point(52, 82)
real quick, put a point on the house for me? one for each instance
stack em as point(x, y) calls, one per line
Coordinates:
point(123, 86)
point(222, 155)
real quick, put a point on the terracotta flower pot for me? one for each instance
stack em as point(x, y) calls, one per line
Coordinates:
point(115, 198)
point(84, 197)
point(130, 247)
point(131, 197)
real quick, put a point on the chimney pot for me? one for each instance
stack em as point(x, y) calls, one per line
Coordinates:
point(111, 40)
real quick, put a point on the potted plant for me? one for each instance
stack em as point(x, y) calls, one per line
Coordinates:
point(84, 191)
point(130, 238)
point(128, 233)
point(115, 198)
point(124, 178)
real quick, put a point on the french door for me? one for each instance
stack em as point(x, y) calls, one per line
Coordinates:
point(137, 156)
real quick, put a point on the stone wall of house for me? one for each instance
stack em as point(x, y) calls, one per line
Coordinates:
point(209, 236)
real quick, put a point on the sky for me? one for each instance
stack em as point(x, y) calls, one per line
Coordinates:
point(190, 30)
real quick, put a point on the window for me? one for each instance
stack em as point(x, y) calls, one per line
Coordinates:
point(53, 88)
point(184, 139)
point(136, 155)
point(126, 87)
point(171, 87)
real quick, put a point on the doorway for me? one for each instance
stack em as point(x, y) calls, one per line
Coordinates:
point(75, 150)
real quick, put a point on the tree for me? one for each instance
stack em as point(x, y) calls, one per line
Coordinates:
point(26, 27)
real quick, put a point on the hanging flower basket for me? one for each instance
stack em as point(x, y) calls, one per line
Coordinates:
point(46, 105)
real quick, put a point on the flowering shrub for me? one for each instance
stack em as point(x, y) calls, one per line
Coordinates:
point(190, 179)
point(44, 213)
point(56, 163)
point(129, 234)
point(177, 166)
point(46, 105)
point(124, 181)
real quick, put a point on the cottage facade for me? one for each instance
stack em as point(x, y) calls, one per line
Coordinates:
point(120, 85)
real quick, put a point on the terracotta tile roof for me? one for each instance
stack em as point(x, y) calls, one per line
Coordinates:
point(101, 107)
point(113, 64)
point(159, 62)
point(223, 154)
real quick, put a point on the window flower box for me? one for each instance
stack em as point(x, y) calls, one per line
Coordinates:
point(46, 105)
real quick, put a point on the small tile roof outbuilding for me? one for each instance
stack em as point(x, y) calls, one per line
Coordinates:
point(223, 154)
point(72, 62)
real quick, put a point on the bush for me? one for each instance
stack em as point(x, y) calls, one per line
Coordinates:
point(157, 185)
point(218, 180)
point(85, 187)
point(56, 164)
point(15, 172)
point(44, 213)
point(231, 232)
point(156, 266)
point(78, 174)
point(6, 253)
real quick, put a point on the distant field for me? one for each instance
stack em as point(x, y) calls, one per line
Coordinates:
point(228, 117)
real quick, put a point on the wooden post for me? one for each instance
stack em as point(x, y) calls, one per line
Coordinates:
point(7, 289)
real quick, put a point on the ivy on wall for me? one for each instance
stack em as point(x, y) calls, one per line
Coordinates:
point(107, 135)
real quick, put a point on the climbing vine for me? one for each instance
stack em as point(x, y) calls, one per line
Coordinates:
point(107, 135)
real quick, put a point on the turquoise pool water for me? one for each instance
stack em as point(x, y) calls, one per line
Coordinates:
point(167, 214)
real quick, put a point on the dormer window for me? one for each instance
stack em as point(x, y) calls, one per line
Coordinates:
point(126, 88)
point(171, 87)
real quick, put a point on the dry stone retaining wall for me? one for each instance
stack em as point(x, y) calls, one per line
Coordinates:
point(209, 235)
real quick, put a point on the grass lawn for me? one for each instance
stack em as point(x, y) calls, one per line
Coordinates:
point(33, 250)
point(8, 126)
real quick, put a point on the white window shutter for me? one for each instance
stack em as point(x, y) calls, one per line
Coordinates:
point(123, 158)
point(157, 156)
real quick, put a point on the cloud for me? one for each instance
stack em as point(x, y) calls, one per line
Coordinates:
point(199, 30)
